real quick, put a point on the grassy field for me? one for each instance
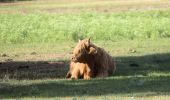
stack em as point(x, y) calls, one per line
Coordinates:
point(142, 72)
point(53, 27)
point(36, 38)
point(44, 27)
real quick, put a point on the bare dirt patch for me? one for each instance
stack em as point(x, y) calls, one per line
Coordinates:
point(76, 6)
point(33, 69)
point(33, 66)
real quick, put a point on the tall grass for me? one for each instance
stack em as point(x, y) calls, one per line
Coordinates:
point(45, 27)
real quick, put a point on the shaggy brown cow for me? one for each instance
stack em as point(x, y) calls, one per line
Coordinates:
point(78, 70)
point(87, 52)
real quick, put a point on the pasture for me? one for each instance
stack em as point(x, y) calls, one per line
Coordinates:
point(37, 37)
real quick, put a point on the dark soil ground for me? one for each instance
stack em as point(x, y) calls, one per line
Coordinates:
point(33, 69)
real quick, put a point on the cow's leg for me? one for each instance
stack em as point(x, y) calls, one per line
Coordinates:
point(75, 73)
point(88, 73)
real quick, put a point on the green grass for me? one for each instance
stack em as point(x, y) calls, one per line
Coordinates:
point(44, 27)
point(143, 74)
point(114, 87)
point(115, 48)
point(53, 21)
point(36, 38)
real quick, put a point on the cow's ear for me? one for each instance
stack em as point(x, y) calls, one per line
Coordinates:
point(92, 50)
point(87, 42)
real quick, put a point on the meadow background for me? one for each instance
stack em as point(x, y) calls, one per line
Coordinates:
point(37, 36)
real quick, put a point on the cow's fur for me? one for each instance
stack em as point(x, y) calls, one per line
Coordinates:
point(86, 52)
point(80, 70)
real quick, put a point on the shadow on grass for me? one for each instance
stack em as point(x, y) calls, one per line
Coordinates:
point(132, 79)
point(143, 65)
point(33, 69)
point(137, 87)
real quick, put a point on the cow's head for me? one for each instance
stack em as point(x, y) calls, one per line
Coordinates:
point(82, 50)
